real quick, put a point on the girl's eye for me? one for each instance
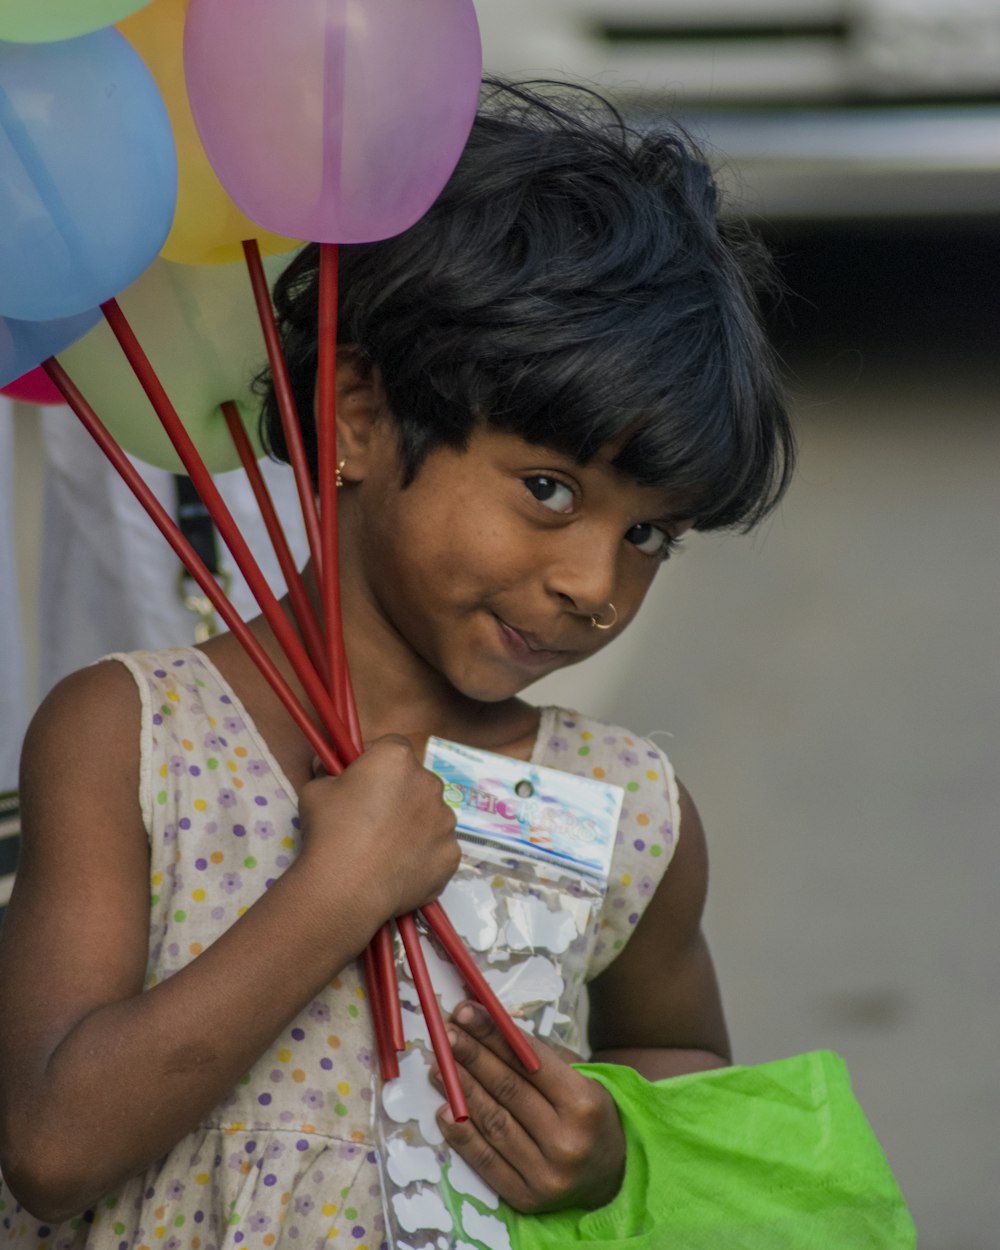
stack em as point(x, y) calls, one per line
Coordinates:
point(651, 540)
point(551, 492)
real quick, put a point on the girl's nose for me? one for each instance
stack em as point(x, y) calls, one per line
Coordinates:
point(584, 577)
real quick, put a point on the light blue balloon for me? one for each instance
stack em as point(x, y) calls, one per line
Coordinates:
point(88, 173)
point(25, 344)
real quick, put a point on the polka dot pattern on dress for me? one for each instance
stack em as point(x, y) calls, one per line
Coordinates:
point(287, 1160)
point(650, 821)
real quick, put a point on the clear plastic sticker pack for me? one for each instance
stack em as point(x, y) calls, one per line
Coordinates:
point(536, 854)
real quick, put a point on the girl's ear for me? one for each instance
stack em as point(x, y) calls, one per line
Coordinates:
point(360, 409)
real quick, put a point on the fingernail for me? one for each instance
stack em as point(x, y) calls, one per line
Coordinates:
point(446, 1114)
point(465, 1014)
point(452, 1037)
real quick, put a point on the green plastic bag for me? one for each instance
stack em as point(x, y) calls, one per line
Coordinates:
point(772, 1157)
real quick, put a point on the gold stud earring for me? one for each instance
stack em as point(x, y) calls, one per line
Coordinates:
point(339, 479)
point(597, 623)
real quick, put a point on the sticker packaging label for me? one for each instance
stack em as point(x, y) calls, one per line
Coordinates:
point(543, 813)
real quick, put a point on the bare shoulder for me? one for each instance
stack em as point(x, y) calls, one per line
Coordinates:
point(76, 929)
point(80, 776)
point(96, 704)
point(661, 990)
point(82, 746)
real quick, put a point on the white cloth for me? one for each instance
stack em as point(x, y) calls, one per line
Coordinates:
point(12, 679)
point(108, 580)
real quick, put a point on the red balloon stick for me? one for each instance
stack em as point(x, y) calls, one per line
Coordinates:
point(378, 964)
point(432, 1014)
point(326, 433)
point(286, 401)
point(304, 614)
point(227, 527)
point(192, 561)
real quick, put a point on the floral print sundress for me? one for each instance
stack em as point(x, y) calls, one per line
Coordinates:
point(287, 1161)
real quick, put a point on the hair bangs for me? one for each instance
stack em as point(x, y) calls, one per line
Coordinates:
point(573, 285)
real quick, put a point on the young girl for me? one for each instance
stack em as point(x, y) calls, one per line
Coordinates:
point(541, 386)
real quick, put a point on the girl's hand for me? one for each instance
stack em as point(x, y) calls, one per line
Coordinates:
point(544, 1141)
point(383, 825)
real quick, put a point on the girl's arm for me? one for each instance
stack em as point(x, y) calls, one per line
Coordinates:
point(554, 1139)
point(97, 1078)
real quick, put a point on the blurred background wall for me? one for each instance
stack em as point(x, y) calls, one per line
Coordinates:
point(830, 683)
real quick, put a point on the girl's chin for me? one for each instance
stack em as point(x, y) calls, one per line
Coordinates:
point(490, 692)
point(497, 687)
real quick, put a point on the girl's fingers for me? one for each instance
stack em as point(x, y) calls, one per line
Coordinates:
point(541, 1140)
point(507, 1118)
point(485, 1159)
point(476, 1021)
point(499, 1107)
point(490, 1062)
point(481, 1042)
point(495, 1145)
point(557, 1130)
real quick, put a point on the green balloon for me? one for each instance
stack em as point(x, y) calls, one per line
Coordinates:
point(198, 325)
point(45, 21)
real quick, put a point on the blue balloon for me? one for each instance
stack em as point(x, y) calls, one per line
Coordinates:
point(25, 344)
point(88, 173)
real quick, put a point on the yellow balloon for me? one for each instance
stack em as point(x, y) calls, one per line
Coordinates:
point(208, 228)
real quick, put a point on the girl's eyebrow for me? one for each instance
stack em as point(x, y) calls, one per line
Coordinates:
point(670, 520)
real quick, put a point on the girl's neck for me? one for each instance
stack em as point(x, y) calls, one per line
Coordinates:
point(397, 692)
point(394, 692)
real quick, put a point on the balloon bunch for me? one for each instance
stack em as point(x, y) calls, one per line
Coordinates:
point(145, 172)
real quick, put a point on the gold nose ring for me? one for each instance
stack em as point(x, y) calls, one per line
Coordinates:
point(597, 623)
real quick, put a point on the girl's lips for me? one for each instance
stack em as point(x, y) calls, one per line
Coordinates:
point(523, 649)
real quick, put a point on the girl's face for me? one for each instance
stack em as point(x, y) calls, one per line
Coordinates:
point(491, 565)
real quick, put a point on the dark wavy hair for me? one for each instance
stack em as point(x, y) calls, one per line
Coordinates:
point(574, 285)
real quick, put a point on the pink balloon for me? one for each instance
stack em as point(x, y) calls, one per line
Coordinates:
point(337, 121)
point(33, 387)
